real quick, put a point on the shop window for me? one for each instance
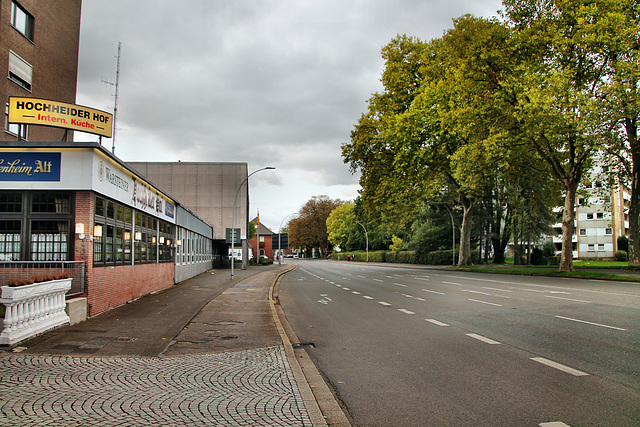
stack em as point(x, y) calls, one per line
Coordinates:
point(11, 203)
point(98, 254)
point(50, 203)
point(112, 233)
point(49, 240)
point(10, 240)
point(22, 20)
point(20, 71)
point(35, 226)
point(99, 206)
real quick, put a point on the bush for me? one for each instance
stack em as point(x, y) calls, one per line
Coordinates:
point(548, 249)
point(537, 257)
point(403, 257)
point(622, 256)
point(37, 279)
point(554, 260)
point(439, 258)
point(623, 244)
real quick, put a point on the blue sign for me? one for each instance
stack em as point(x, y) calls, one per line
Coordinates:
point(32, 166)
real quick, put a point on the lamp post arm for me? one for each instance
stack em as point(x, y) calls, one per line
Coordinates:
point(366, 237)
point(233, 215)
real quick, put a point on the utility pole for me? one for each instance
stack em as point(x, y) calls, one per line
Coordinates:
point(115, 105)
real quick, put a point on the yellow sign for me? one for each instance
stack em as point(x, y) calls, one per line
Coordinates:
point(43, 112)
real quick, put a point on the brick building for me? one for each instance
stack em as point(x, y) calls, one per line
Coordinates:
point(39, 43)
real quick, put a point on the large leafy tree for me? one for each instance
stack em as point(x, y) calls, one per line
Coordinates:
point(309, 229)
point(553, 92)
point(341, 226)
point(619, 31)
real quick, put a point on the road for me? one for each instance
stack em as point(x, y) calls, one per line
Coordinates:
point(416, 347)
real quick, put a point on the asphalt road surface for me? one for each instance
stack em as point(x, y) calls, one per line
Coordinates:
point(427, 347)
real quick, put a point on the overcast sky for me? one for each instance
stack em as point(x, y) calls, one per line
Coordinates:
point(271, 83)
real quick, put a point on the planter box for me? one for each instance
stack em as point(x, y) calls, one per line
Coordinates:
point(33, 309)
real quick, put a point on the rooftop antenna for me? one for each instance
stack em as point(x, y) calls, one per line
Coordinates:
point(115, 106)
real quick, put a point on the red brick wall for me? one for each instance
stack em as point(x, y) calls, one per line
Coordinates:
point(109, 287)
point(266, 246)
point(53, 54)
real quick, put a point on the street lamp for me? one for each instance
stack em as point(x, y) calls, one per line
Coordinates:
point(280, 236)
point(233, 215)
point(366, 236)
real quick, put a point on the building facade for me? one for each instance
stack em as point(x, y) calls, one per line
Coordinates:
point(209, 190)
point(76, 202)
point(39, 43)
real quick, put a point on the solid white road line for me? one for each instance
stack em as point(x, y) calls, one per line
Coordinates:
point(591, 323)
point(433, 292)
point(405, 311)
point(485, 302)
point(559, 366)
point(483, 339)
point(386, 304)
point(476, 292)
point(568, 299)
point(435, 322)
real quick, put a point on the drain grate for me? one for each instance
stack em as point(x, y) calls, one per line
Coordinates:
point(304, 345)
point(126, 339)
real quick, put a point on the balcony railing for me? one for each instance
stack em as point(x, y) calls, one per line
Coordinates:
point(33, 309)
point(10, 270)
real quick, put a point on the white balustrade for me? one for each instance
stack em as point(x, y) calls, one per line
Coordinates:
point(33, 309)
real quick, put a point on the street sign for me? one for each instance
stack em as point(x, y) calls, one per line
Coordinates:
point(229, 235)
point(284, 241)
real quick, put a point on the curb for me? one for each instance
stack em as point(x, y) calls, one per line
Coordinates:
point(321, 404)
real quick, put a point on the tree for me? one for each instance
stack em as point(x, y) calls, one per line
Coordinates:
point(620, 32)
point(341, 227)
point(309, 229)
point(552, 93)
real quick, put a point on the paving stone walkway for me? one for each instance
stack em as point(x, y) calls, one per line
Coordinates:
point(237, 388)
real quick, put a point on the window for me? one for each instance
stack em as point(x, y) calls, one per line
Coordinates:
point(112, 233)
point(11, 202)
point(590, 216)
point(591, 247)
point(20, 71)
point(49, 240)
point(35, 226)
point(583, 231)
point(21, 20)
point(608, 231)
point(10, 239)
point(20, 130)
point(600, 215)
point(601, 247)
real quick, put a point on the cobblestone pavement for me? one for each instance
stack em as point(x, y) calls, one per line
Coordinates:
point(239, 388)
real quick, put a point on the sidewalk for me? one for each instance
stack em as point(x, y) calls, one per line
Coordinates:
point(207, 351)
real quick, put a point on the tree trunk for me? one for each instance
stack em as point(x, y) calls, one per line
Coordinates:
point(465, 232)
point(634, 205)
point(568, 227)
